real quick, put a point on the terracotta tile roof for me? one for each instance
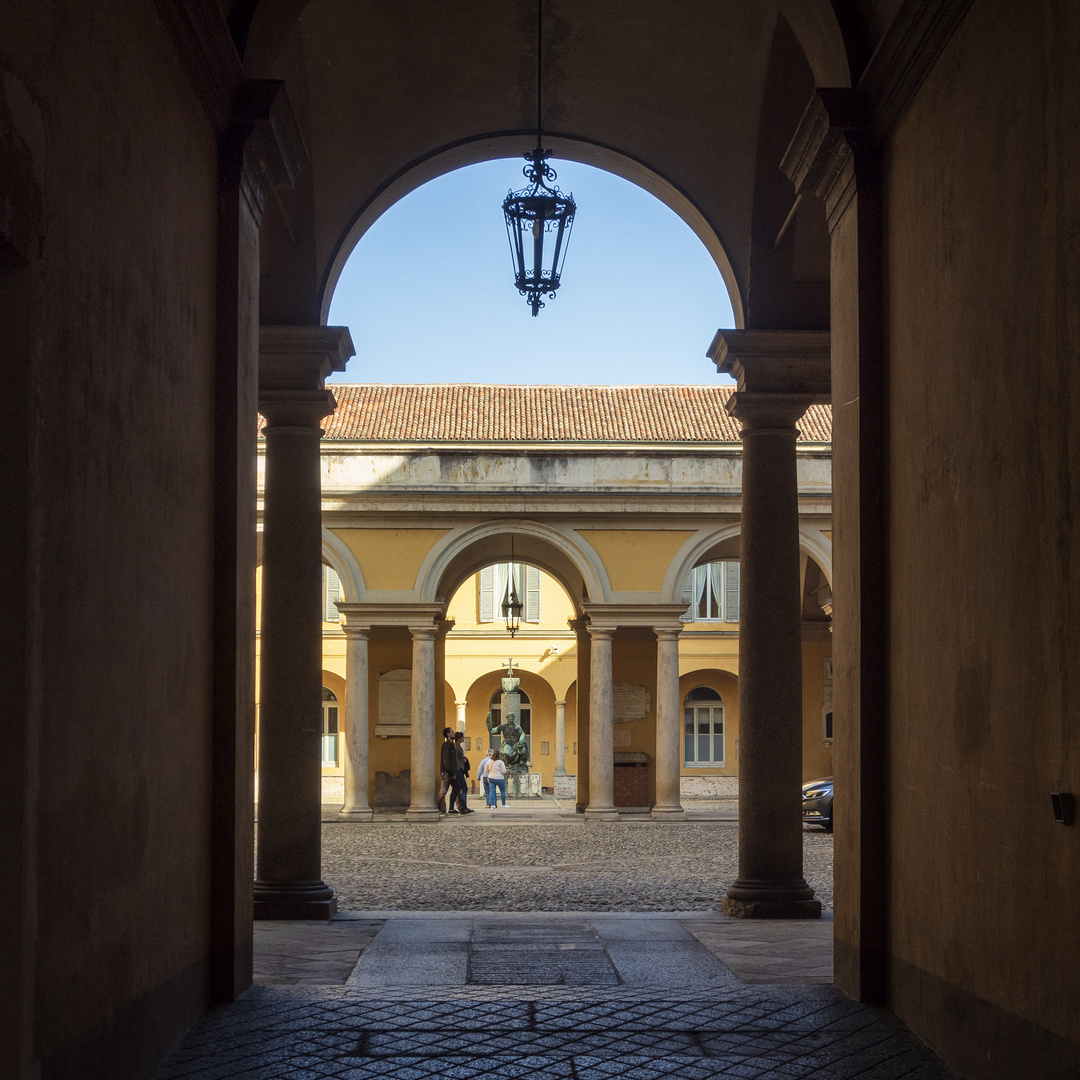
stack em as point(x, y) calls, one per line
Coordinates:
point(465, 412)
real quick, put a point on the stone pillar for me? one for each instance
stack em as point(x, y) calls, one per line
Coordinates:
point(460, 705)
point(601, 805)
point(560, 738)
point(584, 690)
point(293, 362)
point(668, 725)
point(424, 756)
point(780, 374)
point(835, 156)
point(357, 806)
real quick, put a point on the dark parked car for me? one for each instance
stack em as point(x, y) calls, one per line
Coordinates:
point(817, 802)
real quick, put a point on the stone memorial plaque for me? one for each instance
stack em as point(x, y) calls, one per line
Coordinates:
point(629, 701)
point(395, 703)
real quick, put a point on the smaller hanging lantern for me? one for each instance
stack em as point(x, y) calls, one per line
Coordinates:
point(538, 223)
point(512, 606)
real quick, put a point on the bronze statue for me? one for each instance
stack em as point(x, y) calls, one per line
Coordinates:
point(515, 747)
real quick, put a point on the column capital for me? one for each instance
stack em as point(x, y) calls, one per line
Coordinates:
point(639, 616)
point(560, 704)
point(357, 631)
point(601, 633)
point(776, 361)
point(768, 412)
point(381, 615)
point(667, 632)
point(579, 626)
point(300, 357)
point(443, 627)
point(423, 631)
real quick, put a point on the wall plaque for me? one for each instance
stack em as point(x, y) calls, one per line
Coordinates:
point(395, 703)
point(620, 739)
point(629, 701)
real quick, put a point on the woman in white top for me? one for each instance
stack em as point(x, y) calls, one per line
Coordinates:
point(496, 779)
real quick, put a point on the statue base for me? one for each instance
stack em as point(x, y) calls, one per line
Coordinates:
point(523, 785)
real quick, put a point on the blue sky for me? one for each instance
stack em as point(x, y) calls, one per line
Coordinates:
point(428, 293)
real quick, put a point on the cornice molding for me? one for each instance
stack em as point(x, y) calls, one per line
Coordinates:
point(905, 56)
point(207, 53)
point(835, 150)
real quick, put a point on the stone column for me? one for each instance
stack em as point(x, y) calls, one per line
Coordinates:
point(780, 374)
point(294, 361)
point(584, 689)
point(424, 750)
point(357, 806)
point(560, 738)
point(668, 725)
point(601, 805)
point(460, 705)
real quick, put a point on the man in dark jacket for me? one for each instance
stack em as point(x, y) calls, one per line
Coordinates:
point(448, 765)
point(462, 773)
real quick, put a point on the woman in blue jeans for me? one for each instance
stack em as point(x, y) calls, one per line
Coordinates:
point(496, 780)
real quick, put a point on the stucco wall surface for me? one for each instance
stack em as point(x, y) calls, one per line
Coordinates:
point(983, 188)
point(122, 492)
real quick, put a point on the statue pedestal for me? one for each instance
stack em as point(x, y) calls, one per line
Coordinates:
point(523, 785)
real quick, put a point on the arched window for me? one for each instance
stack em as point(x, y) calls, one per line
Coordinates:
point(329, 729)
point(703, 727)
point(525, 719)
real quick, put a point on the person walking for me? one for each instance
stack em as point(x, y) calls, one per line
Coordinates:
point(496, 777)
point(447, 771)
point(463, 769)
point(481, 775)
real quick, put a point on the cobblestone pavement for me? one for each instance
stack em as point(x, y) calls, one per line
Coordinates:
point(582, 997)
point(629, 865)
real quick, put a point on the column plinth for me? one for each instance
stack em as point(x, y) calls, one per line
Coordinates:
point(357, 806)
point(601, 805)
point(770, 884)
point(668, 726)
point(293, 362)
point(424, 749)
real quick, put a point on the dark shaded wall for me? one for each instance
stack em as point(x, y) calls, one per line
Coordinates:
point(982, 187)
point(109, 513)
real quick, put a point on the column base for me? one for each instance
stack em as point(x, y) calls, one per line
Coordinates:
point(422, 815)
point(359, 813)
point(601, 813)
point(668, 813)
point(771, 909)
point(302, 901)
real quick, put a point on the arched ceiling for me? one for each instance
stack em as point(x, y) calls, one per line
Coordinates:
point(674, 88)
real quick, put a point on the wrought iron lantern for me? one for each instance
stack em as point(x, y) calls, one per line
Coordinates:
point(512, 606)
point(538, 218)
point(538, 223)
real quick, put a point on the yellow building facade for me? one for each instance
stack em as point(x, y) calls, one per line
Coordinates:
point(621, 515)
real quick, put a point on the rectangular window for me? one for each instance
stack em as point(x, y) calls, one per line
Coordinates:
point(331, 595)
point(492, 584)
point(330, 735)
point(703, 734)
point(711, 593)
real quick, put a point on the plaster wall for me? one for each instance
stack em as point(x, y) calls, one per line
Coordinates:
point(120, 500)
point(983, 264)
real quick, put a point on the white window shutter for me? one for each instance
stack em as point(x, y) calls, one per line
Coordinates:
point(688, 598)
point(731, 592)
point(532, 594)
point(333, 594)
point(487, 594)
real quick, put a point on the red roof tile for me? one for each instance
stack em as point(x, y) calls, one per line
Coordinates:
point(466, 412)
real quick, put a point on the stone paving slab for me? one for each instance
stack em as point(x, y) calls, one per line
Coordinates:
point(615, 1012)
